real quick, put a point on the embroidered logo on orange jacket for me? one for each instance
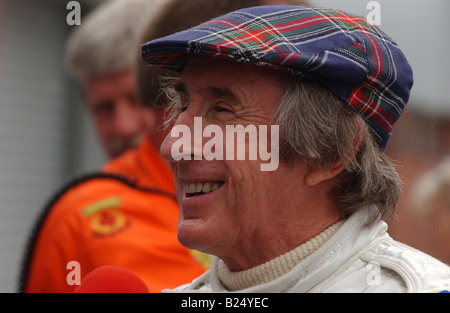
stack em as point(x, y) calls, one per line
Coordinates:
point(105, 215)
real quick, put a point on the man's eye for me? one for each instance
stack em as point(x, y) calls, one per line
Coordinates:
point(103, 108)
point(223, 107)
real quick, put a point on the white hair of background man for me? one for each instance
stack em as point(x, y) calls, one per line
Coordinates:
point(108, 39)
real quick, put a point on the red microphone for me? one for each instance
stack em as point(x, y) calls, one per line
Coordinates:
point(111, 279)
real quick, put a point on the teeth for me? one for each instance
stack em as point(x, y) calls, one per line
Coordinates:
point(201, 187)
point(206, 188)
point(190, 188)
point(215, 186)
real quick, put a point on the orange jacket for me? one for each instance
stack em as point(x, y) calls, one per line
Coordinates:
point(125, 216)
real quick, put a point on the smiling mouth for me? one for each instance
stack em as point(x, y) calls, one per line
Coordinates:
point(197, 189)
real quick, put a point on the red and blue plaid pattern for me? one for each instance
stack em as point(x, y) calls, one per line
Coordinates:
point(359, 63)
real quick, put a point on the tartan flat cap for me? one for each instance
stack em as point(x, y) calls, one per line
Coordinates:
point(356, 61)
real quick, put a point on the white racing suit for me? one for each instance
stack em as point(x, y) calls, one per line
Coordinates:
point(356, 258)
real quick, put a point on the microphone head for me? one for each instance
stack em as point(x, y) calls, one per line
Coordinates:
point(111, 279)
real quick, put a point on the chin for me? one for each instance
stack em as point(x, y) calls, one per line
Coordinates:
point(193, 235)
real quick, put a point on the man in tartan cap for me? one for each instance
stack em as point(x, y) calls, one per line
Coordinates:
point(333, 85)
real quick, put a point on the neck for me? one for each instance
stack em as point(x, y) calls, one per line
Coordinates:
point(274, 268)
point(286, 231)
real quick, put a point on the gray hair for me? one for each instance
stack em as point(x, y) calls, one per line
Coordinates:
point(322, 129)
point(108, 39)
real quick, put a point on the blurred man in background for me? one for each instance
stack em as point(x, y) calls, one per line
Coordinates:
point(430, 199)
point(99, 57)
point(111, 217)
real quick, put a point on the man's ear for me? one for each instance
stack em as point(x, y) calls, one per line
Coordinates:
point(316, 174)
